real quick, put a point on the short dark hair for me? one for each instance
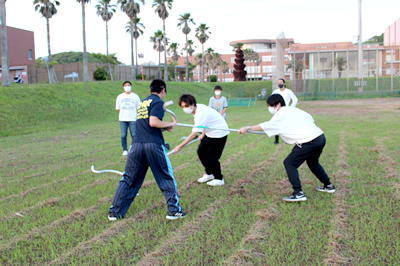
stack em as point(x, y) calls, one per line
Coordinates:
point(274, 99)
point(282, 80)
point(158, 85)
point(126, 82)
point(187, 98)
point(218, 88)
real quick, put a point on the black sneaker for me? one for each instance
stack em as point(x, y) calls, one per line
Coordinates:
point(113, 217)
point(276, 142)
point(175, 215)
point(296, 196)
point(327, 188)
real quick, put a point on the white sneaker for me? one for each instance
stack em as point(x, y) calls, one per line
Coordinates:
point(205, 178)
point(216, 182)
point(125, 153)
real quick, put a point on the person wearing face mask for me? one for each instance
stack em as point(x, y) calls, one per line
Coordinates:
point(148, 149)
point(127, 104)
point(218, 102)
point(296, 127)
point(287, 95)
point(212, 140)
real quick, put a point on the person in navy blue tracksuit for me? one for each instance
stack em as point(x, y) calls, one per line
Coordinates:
point(148, 150)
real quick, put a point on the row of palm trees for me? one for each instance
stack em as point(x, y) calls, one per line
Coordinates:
point(105, 9)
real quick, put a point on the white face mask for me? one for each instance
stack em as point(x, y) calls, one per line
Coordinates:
point(188, 110)
point(272, 110)
point(128, 88)
point(218, 93)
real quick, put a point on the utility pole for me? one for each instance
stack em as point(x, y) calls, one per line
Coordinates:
point(360, 51)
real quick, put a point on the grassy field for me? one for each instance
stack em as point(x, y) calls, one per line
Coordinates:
point(53, 209)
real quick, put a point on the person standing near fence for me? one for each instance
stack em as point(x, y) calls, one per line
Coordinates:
point(212, 140)
point(287, 95)
point(296, 127)
point(218, 102)
point(148, 149)
point(127, 104)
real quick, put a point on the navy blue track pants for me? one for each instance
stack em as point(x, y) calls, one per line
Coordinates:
point(140, 157)
point(309, 152)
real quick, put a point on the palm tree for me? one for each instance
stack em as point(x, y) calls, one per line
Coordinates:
point(85, 60)
point(341, 64)
point(47, 8)
point(161, 10)
point(137, 31)
point(173, 52)
point(184, 21)
point(106, 11)
point(224, 68)
point(5, 81)
point(157, 39)
point(131, 9)
point(201, 35)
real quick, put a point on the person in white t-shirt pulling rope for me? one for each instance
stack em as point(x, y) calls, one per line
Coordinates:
point(287, 95)
point(296, 127)
point(127, 104)
point(212, 140)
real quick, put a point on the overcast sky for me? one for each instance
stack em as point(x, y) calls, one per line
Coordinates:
point(306, 21)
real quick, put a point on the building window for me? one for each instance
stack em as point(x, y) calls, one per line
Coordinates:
point(30, 54)
point(233, 59)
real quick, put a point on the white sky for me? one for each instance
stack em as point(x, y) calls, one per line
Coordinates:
point(306, 21)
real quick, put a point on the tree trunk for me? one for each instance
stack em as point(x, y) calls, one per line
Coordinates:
point(5, 81)
point(159, 62)
point(49, 59)
point(108, 60)
point(136, 58)
point(85, 60)
point(187, 61)
point(165, 54)
point(202, 63)
point(132, 58)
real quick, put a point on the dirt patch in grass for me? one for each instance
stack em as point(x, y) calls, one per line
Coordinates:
point(355, 106)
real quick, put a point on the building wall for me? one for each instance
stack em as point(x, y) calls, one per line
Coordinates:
point(19, 43)
point(392, 34)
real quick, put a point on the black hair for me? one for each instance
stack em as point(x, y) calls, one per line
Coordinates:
point(126, 82)
point(282, 80)
point(274, 99)
point(218, 88)
point(158, 85)
point(187, 98)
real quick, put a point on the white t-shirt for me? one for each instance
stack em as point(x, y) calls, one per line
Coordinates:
point(207, 117)
point(292, 125)
point(218, 104)
point(127, 104)
point(287, 95)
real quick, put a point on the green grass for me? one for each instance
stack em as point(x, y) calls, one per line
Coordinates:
point(45, 177)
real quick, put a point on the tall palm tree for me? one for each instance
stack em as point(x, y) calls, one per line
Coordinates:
point(224, 68)
point(137, 31)
point(161, 10)
point(106, 11)
point(47, 8)
point(173, 52)
point(85, 60)
point(157, 40)
point(201, 35)
point(131, 9)
point(5, 81)
point(184, 21)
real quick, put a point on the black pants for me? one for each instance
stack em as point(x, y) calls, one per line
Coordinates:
point(209, 151)
point(309, 152)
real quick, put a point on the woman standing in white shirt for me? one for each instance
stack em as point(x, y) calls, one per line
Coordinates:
point(296, 127)
point(287, 95)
